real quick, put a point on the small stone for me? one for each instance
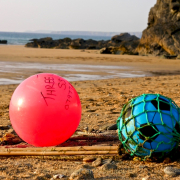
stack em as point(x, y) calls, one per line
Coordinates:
point(58, 176)
point(47, 176)
point(36, 171)
point(167, 160)
point(132, 175)
point(125, 156)
point(104, 127)
point(171, 171)
point(106, 161)
point(142, 166)
point(97, 162)
point(40, 178)
point(2, 127)
point(89, 159)
point(112, 127)
point(146, 178)
point(136, 159)
point(108, 166)
point(85, 166)
point(82, 174)
point(25, 176)
point(149, 91)
point(147, 78)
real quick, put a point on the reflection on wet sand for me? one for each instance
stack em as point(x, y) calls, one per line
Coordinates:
point(71, 72)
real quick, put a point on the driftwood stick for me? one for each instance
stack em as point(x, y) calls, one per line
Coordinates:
point(54, 153)
point(57, 151)
point(50, 149)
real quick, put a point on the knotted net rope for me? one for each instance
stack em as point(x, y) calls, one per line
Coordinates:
point(148, 132)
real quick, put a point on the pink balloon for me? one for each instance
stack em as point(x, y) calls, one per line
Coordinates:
point(45, 110)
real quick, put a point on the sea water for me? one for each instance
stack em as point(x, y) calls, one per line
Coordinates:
point(74, 72)
point(71, 72)
point(17, 38)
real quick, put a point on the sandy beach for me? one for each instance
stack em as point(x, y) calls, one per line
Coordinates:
point(102, 101)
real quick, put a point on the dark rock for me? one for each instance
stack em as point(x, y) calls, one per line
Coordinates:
point(170, 56)
point(2, 127)
point(75, 45)
point(105, 50)
point(127, 43)
point(129, 47)
point(162, 36)
point(84, 166)
point(91, 47)
point(67, 39)
point(123, 43)
point(112, 127)
point(40, 178)
point(108, 166)
point(3, 41)
point(124, 37)
point(125, 156)
point(109, 50)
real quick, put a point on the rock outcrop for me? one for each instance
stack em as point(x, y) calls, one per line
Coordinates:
point(127, 43)
point(162, 36)
point(67, 43)
point(124, 43)
point(3, 41)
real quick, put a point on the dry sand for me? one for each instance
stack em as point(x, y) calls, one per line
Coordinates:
point(102, 101)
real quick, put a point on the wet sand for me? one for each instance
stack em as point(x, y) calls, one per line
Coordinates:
point(148, 64)
point(102, 101)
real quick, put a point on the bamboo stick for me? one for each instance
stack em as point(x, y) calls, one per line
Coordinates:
point(77, 148)
point(56, 153)
point(86, 150)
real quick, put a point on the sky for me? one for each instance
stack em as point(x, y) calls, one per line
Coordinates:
point(74, 15)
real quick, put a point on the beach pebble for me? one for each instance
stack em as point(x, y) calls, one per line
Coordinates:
point(40, 178)
point(108, 166)
point(106, 161)
point(125, 156)
point(97, 162)
point(171, 171)
point(85, 166)
point(89, 159)
point(167, 160)
point(2, 127)
point(142, 166)
point(112, 127)
point(58, 176)
point(82, 174)
point(132, 175)
point(146, 178)
point(136, 158)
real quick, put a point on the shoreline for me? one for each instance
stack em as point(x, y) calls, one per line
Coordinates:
point(82, 63)
point(18, 63)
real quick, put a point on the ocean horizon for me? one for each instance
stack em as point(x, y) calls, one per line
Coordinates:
point(21, 38)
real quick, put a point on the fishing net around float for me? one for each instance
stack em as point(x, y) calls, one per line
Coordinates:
point(149, 126)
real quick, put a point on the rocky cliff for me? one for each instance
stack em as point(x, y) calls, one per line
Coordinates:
point(124, 43)
point(162, 36)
